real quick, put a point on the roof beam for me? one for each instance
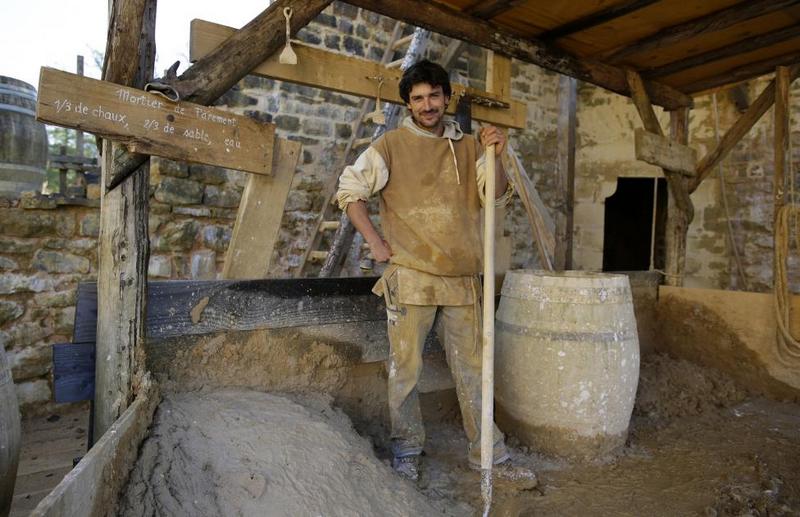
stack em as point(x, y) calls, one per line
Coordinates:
point(747, 45)
point(455, 24)
point(488, 10)
point(742, 73)
point(706, 24)
point(594, 19)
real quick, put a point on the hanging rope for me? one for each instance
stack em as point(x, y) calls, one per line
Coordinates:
point(788, 344)
point(724, 194)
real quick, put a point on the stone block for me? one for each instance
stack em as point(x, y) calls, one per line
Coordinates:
point(332, 41)
point(176, 236)
point(160, 266)
point(207, 174)
point(93, 191)
point(11, 283)
point(159, 208)
point(30, 362)
point(64, 321)
point(307, 36)
point(8, 264)
point(8, 245)
point(59, 262)
point(177, 191)
point(18, 223)
point(223, 213)
point(287, 123)
point(345, 26)
point(298, 200)
point(82, 245)
point(216, 237)
point(353, 46)
point(56, 299)
point(237, 178)
point(90, 225)
point(164, 167)
point(33, 392)
point(9, 311)
point(204, 265)
point(222, 197)
point(180, 267)
point(33, 200)
point(345, 10)
point(27, 333)
point(192, 211)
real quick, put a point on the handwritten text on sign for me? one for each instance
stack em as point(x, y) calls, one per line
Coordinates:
point(150, 124)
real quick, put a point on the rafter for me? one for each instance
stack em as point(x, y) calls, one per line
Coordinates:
point(488, 10)
point(594, 19)
point(706, 24)
point(456, 24)
point(742, 73)
point(741, 47)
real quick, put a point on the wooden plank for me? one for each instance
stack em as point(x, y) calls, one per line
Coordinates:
point(703, 25)
point(92, 487)
point(738, 130)
point(73, 372)
point(742, 73)
point(208, 79)
point(680, 211)
point(565, 177)
point(455, 24)
point(488, 10)
point(344, 74)
point(245, 305)
point(150, 124)
point(665, 153)
point(594, 19)
point(741, 47)
point(258, 220)
point(498, 76)
point(123, 246)
point(642, 103)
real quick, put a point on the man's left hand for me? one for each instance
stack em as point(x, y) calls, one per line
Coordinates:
point(492, 135)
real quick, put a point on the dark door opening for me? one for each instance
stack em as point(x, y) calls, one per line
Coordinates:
point(628, 225)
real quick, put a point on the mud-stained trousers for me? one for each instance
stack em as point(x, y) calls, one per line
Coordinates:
point(408, 327)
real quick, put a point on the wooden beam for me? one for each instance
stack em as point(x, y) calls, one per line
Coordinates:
point(258, 221)
point(713, 22)
point(642, 103)
point(565, 177)
point(456, 24)
point(491, 9)
point(742, 73)
point(209, 78)
point(747, 45)
point(738, 130)
point(664, 152)
point(595, 19)
point(339, 72)
point(782, 155)
point(680, 211)
point(221, 305)
point(94, 485)
point(123, 247)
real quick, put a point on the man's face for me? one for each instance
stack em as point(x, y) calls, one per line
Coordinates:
point(427, 104)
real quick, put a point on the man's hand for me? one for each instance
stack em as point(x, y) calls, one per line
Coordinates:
point(492, 135)
point(380, 249)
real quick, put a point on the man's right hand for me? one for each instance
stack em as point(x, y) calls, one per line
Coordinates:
point(380, 249)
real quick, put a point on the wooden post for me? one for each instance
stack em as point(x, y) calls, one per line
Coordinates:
point(79, 133)
point(782, 155)
point(124, 247)
point(680, 211)
point(565, 178)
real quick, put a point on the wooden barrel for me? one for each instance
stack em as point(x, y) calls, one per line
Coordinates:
point(566, 361)
point(23, 140)
point(9, 434)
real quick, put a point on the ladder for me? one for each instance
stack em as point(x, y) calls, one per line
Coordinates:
point(329, 220)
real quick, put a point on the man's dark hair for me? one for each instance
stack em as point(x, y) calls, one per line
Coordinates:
point(424, 72)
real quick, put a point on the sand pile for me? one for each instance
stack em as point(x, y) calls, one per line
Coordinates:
point(242, 452)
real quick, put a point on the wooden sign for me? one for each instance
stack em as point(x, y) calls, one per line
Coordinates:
point(151, 124)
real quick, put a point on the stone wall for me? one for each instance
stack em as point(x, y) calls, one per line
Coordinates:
point(605, 152)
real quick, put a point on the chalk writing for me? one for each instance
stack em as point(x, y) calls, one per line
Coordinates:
point(149, 124)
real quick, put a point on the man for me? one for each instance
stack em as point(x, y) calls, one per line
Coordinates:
point(430, 178)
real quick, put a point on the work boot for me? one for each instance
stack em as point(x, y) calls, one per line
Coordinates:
point(407, 467)
point(522, 477)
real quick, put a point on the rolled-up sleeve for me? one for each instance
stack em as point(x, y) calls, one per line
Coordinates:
point(365, 178)
point(481, 177)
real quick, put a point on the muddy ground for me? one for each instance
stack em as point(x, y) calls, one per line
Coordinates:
point(698, 445)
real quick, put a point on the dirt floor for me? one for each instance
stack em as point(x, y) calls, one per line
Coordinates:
point(699, 445)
